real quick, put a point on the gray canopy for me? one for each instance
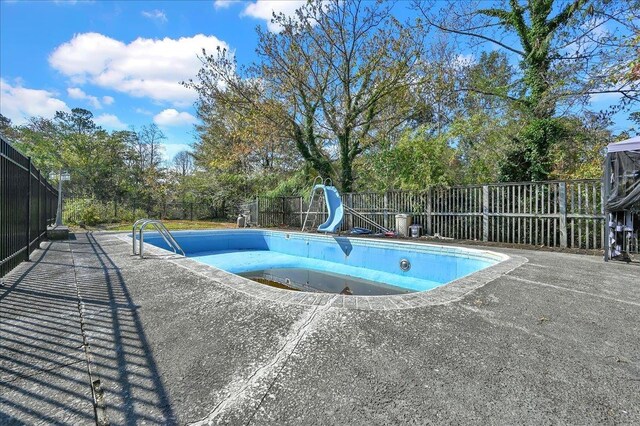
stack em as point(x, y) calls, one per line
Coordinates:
point(622, 175)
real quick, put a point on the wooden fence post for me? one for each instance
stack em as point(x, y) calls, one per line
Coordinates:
point(350, 205)
point(485, 213)
point(428, 228)
point(563, 213)
point(386, 211)
point(301, 211)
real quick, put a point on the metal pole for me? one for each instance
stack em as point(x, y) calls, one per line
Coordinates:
point(28, 252)
point(59, 213)
point(606, 189)
point(141, 243)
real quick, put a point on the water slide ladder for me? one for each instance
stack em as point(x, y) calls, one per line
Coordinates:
point(162, 230)
point(335, 208)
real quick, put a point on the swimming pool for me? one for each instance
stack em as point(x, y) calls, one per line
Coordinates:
point(367, 266)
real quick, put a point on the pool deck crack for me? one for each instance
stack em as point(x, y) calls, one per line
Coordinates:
point(573, 290)
point(277, 363)
point(99, 405)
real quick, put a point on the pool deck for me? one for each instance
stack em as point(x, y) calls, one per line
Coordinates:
point(553, 340)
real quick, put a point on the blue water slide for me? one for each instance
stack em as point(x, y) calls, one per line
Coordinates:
point(334, 207)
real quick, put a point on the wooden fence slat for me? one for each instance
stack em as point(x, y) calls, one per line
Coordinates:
point(557, 213)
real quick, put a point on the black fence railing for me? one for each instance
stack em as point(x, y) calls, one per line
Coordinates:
point(27, 205)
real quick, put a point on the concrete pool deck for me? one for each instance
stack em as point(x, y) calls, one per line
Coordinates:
point(555, 339)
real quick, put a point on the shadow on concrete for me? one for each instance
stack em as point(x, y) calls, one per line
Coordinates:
point(43, 373)
point(43, 366)
point(134, 392)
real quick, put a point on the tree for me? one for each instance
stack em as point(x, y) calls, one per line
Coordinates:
point(150, 148)
point(183, 163)
point(418, 159)
point(329, 77)
point(39, 139)
point(566, 54)
point(5, 125)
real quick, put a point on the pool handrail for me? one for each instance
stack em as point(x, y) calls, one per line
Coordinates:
point(162, 230)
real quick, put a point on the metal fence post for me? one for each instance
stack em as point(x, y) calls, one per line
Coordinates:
point(40, 230)
point(485, 213)
point(562, 189)
point(28, 233)
point(284, 221)
point(258, 210)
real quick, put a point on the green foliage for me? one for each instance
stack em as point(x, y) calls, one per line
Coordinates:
point(295, 184)
point(482, 145)
point(418, 159)
point(90, 211)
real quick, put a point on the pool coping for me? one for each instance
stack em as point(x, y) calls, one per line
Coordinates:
point(441, 295)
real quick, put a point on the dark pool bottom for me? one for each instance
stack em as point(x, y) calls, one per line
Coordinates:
point(321, 282)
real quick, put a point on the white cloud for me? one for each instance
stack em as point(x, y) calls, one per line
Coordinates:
point(264, 9)
point(224, 4)
point(77, 93)
point(171, 117)
point(19, 103)
point(155, 15)
point(143, 68)
point(107, 100)
point(110, 122)
point(607, 99)
point(143, 111)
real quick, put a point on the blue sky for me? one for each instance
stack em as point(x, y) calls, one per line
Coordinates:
point(124, 60)
point(120, 60)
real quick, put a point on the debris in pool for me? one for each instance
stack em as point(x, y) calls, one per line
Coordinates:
point(270, 283)
point(346, 291)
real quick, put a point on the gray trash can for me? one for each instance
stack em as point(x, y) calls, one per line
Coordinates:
point(415, 230)
point(403, 221)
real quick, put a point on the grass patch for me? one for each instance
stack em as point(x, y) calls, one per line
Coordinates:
point(172, 225)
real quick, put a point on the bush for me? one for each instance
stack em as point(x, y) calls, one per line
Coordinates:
point(89, 211)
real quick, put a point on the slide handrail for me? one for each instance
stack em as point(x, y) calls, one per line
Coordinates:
point(365, 219)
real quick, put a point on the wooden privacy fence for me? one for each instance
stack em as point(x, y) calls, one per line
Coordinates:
point(27, 205)
point(552, 213)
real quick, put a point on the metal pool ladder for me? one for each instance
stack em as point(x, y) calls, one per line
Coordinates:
point(162, 230)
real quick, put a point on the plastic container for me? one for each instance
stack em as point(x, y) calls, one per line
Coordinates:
point(403, 221)
point(416, 230)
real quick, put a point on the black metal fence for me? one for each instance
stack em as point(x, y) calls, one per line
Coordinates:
point(27, 205)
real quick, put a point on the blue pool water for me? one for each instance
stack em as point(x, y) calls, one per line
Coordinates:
point(370, 266)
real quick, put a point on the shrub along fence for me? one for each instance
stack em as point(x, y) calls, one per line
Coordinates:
point(551, 213)
point(27, 205)
point(90, 211)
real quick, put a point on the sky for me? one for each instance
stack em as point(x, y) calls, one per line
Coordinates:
point(121, 60)
point(124, 60)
